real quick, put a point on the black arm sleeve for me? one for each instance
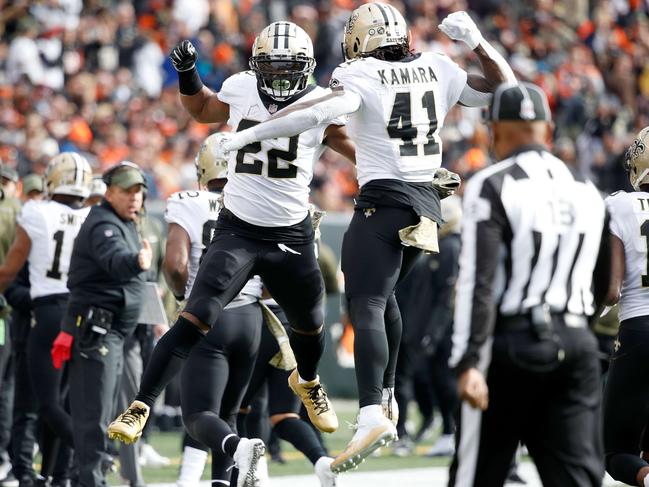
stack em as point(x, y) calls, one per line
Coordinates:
point(481, 261)
point(602, 273)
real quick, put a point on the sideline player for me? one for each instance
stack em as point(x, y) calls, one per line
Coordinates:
point(218, 369)
point(44, 236)
point(397, 101)
point(626, 403)
point(264, 227)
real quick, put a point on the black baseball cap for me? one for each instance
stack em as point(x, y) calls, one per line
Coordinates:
point(520, 102)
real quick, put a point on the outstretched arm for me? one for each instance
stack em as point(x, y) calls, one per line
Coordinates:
point(201, 102)
point(297, 119)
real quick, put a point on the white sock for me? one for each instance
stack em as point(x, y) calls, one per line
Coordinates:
point(300, 380)
point(646, 481)
point(192, 466)
point(373, 411)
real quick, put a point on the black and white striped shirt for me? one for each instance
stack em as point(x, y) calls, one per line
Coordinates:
point(531, 235)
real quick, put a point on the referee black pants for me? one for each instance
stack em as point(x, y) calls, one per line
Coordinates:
point(626, 401)
point(556, 413)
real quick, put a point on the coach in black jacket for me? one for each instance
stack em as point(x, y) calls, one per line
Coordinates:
point(106, 281)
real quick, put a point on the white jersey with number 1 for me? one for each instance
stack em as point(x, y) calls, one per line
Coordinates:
point(629, 214)
point(52, 228)
point(403, 106)
point(196, 212)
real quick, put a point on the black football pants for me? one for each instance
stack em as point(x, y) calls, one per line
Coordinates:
point(626, 400)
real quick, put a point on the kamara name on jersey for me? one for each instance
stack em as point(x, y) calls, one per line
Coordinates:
point(69, 219)
point(407, 75)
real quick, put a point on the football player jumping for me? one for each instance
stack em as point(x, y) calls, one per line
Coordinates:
point(264, 227)
point(396, 101)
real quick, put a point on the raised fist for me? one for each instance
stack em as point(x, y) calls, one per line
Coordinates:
point(460, 27)
point(183, 56)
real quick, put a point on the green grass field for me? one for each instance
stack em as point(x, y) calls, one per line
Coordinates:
point(169, 445)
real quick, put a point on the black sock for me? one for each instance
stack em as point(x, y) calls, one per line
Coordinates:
point(167, 359)
point(230, 445)
point(308, 350)
point(221, 468)
point(301, 436)
point(208, 428)
point(393, 329)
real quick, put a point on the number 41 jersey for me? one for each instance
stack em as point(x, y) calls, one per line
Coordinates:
point(268, 181)
point(403, 106)
point(52, 228)
point(629, 214)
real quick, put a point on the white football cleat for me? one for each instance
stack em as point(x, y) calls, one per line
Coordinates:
point(443, 447)
point(389, 405)
point(323, 471)
point(250, 459)
point(372, 433)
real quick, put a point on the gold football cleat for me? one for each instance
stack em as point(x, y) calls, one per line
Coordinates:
point(128, 426)
point(316, 402)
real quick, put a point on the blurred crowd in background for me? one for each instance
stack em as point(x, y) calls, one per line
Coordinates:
point(93, 76)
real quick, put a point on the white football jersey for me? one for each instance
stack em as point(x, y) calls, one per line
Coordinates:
point(629, 214)
point(196, 212)
point(268, 181)
point(52, 228)
point(403, 106)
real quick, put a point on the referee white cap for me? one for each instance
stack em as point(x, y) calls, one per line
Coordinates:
point(522, 102)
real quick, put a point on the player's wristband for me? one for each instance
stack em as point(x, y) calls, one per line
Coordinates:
point(189, 82)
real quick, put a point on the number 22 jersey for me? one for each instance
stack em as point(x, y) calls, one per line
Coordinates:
point(52, 228)
point(268, 181)
point(403, 106)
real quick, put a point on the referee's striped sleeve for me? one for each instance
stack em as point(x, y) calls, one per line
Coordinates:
point(485, 228)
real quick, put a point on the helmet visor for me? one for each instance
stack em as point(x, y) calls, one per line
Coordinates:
point(281, 67)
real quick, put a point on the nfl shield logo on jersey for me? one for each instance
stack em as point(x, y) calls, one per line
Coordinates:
point(272, 108)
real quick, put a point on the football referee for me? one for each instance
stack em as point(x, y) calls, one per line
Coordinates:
point(527, 363)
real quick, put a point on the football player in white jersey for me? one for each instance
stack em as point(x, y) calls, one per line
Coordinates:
point(264, 227)
point(213, 380)
point(44, 236)
point(396, 101)
point(626, 396)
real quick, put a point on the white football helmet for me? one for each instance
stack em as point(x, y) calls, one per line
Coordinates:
point(372, 26)
point(209, 167)
point(68, 173)
point(636, 160)
point(282, 58)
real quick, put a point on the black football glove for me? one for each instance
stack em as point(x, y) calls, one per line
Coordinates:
point(183, 56)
